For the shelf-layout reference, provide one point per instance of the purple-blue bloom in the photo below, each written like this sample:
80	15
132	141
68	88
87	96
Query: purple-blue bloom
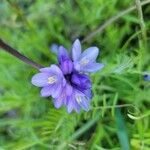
86	61
68	82
54	48
147	77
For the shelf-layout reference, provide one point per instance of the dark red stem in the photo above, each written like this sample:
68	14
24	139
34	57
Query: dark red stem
18	55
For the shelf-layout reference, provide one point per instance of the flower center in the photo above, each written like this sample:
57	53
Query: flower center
52	79
84	61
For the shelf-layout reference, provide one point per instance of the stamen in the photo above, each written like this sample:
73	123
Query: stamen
78	98
52	79
84	61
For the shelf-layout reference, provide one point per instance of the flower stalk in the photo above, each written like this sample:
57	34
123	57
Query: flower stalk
141	19
18	55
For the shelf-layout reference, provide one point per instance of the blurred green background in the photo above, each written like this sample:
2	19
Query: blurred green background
29	122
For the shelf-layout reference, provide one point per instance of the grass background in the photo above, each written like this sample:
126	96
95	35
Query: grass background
29	122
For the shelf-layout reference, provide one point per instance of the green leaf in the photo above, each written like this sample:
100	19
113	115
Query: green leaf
121	131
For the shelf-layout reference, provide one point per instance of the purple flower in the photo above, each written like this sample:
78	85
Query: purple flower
65	61
67	82
86	61
51	80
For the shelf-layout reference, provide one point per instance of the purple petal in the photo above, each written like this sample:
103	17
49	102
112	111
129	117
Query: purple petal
58	102
93	67
65	62
82	100
66	66
57	71
90	54
77	66
62	53
40	79
56	90
88	94
46	91
54	48
68	89
65	93
70	105
53	69
76	50
76	106
82	81
53	90
84	104
46	69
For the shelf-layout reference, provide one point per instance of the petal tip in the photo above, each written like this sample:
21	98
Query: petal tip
77	41
54	48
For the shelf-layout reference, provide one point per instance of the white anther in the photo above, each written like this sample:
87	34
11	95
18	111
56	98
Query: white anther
78	98
84	61
52	79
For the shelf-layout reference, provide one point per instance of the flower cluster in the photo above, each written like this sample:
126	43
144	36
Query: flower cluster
68	82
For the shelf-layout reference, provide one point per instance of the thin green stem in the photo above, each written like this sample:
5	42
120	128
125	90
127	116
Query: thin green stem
140	15
113	19
116	106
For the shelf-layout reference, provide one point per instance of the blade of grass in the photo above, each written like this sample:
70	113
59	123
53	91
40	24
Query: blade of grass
121	130
114	103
